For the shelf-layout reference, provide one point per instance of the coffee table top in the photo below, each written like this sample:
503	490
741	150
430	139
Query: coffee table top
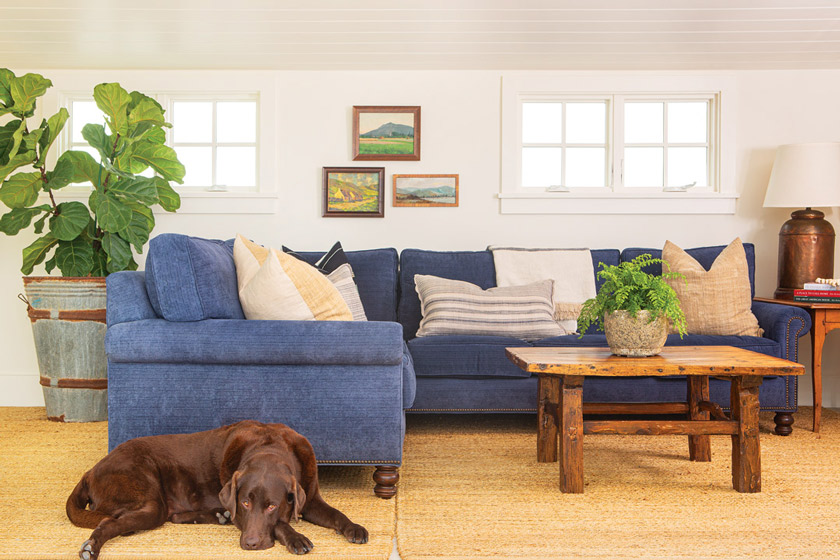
716	361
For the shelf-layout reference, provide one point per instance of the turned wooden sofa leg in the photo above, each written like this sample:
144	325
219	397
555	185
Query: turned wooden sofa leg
386	478
784	423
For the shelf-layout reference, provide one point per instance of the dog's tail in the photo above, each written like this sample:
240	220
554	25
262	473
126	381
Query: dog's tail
77	506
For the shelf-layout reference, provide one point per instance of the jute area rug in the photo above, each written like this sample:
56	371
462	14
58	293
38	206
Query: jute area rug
41	462
471	488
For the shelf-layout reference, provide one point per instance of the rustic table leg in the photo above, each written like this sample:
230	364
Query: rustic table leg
699	447
571	434
817	342
746	450
547	422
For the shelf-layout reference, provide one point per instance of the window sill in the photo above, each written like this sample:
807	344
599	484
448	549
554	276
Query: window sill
197	202
617	203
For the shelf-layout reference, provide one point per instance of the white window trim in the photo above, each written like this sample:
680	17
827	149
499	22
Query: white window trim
75	84
519	87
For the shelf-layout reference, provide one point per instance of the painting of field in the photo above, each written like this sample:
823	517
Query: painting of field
387	133
353	192
425	190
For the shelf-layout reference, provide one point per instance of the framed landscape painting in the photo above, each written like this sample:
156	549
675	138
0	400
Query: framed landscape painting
354	192
386	133
425	190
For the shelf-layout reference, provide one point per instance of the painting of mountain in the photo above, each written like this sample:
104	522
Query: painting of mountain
353	191
425	190
386	133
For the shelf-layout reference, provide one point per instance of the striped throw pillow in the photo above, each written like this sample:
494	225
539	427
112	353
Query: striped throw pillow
456	307
342	278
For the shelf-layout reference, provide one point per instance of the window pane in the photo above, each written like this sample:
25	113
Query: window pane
236	121
643	167
84	112
542	123
192	121
643	123
236	167
686	166
586	123
199	165
541	167
585	167
687	122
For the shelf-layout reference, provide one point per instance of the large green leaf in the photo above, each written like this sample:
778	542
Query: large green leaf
139	228
35	253
17	139
17	219
74	258
21	190
147	110
17	161
162	159
54	126
111	214
75	167
7	141
113	100
140	189
69	220
100	263
118	250
96	136
168	198
25	90
6	77
32	139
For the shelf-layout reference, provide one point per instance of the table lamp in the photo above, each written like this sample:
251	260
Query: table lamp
804	175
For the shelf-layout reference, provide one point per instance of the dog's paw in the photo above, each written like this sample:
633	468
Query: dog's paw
355	534
87	551
224	518
298	544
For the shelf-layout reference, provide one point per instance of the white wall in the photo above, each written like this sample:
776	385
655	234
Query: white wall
460	134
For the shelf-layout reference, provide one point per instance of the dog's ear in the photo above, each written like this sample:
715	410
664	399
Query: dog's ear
228	494
297	497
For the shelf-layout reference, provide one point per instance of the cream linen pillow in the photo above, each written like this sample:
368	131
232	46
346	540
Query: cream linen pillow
276	286
717	301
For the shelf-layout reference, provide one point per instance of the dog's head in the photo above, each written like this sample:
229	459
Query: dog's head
260	493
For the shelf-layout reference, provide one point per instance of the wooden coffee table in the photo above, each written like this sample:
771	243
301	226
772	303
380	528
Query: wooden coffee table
562	372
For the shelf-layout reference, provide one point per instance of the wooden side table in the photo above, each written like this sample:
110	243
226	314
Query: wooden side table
825	317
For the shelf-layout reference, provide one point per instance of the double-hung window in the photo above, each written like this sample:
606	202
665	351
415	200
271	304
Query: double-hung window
617	144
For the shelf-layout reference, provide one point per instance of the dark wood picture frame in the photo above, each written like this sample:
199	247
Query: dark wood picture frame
351	196
428	202
359	114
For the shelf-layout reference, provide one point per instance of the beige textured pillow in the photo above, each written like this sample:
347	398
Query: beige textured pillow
276	286
717	301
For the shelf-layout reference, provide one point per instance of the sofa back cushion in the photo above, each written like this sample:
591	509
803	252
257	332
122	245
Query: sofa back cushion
375	271
192	279
704	255
475	267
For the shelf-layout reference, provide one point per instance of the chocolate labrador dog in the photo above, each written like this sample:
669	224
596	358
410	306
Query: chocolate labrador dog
258	476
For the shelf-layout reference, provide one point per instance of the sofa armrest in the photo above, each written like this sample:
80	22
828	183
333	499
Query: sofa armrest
784	324
243	342
127	299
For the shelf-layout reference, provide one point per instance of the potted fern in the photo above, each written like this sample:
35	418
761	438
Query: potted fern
130	173
634	307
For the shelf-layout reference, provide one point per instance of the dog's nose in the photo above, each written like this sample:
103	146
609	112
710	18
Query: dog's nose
251	542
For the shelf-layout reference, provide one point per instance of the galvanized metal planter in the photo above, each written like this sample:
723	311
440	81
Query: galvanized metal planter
68	324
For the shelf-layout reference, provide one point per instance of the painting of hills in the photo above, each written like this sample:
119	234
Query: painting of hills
387	133
425	190
353	192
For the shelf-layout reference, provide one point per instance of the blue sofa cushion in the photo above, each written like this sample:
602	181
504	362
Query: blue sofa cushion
464	356
375	272
704	255
475	267
192	279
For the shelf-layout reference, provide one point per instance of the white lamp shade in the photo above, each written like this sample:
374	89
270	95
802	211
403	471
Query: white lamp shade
805	175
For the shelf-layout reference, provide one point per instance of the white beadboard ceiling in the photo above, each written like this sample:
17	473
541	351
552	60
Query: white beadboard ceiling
430	34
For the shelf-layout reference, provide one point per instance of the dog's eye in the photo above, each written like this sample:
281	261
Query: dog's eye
290	498
270	508
246	504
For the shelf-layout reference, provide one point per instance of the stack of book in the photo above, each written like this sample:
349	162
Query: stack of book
814	292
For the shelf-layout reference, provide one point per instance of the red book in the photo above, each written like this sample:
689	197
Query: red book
817	293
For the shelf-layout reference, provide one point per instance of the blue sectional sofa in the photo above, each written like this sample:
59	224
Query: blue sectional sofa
182	358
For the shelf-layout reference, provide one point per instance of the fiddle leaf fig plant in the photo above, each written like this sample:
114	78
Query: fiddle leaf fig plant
628	287
131	172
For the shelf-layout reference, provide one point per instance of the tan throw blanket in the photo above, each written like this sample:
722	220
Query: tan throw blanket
571	270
